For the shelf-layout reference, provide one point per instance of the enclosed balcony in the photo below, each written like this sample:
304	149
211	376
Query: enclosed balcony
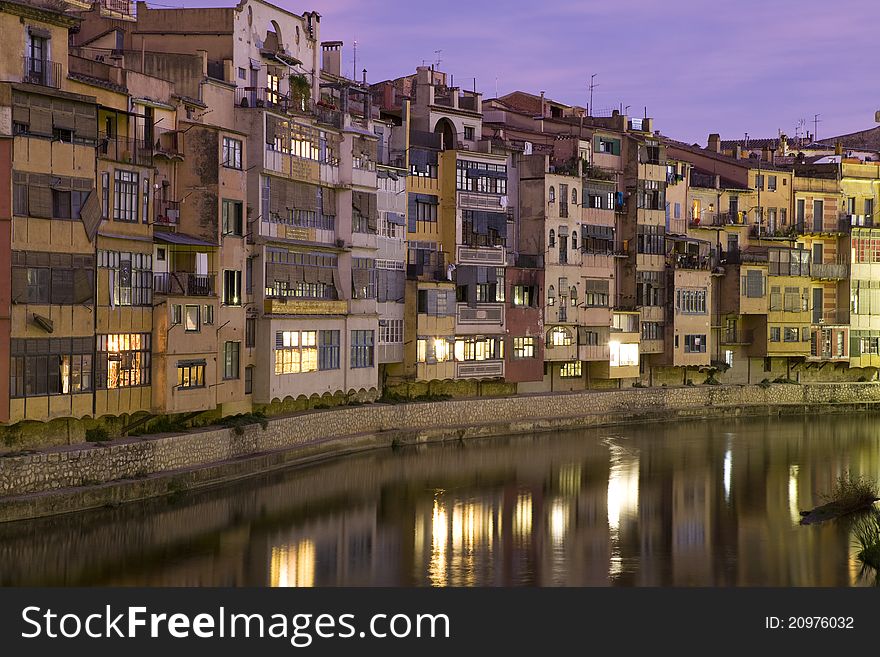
167	213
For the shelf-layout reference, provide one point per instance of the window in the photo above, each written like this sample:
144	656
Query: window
753	284
571	370
242	73
774	334
328	350
606	145
790	334
363	278
105	195
652	331
231	353
563	201
232	287
469	132
523	295
361	349
651	239
191	318
250	332
390	331
66	204
523	348
249	380
551	194
434	350
759	181
57	366
296	352
649	288
435	303
176	314
190	374
690	301
695	344
207	314
551	295
596	293
123	360
552	239
623	355
131	277
232	218
559	336
231	153
478	349
481	177
771	183
125	196
677	211
38	284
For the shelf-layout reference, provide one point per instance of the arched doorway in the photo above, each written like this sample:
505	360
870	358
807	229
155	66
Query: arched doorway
446	129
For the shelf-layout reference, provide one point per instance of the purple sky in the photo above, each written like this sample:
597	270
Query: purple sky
728	66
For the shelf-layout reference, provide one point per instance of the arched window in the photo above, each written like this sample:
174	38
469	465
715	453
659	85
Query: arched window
551	295
574	240
574	296
574	196
552	194
559	336
552	238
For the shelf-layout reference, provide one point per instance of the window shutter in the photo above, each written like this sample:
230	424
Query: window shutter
41	121
40	201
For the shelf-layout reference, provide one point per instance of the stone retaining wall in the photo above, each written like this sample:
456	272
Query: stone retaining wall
345	429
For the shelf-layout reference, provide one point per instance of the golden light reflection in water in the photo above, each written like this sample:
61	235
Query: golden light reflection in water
463	534
558	520
793	508
439	538
293	565
522	518
623	499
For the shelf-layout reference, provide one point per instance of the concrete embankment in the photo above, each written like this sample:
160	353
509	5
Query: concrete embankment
78	477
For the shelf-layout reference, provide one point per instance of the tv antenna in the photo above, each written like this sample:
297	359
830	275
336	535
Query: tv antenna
438	60
816	122
592	86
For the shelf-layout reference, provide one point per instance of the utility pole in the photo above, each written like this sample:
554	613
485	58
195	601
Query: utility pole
592	86
354	65
816	122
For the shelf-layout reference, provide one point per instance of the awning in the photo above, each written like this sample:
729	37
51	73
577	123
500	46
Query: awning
182	239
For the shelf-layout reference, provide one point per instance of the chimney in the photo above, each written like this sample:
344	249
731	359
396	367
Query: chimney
331	57
737	151
715	142
838	148
542	105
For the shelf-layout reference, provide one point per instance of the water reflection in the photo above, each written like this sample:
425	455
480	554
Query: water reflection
708	504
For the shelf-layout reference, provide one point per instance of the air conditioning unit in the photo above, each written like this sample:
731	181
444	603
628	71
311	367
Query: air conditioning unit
340	244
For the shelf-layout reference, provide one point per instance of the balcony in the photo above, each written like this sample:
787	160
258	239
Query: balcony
305	307
836	317
737	336
473	201
265	98
594	352
856	221
43	72
482	317
484	369
833	271
167	213
481	255
844	223
181	283
690	261
169	143
328	116
716	220
125	149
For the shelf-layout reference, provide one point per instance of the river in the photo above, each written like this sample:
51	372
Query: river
713	503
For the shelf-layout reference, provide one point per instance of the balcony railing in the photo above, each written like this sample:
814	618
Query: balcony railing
843	225
831	317
263	97
593	352
856	220
181	283
167	212
829	270
125	149
41	71
690	261
737	336
169	143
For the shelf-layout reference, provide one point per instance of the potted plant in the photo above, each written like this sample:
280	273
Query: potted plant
300	90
